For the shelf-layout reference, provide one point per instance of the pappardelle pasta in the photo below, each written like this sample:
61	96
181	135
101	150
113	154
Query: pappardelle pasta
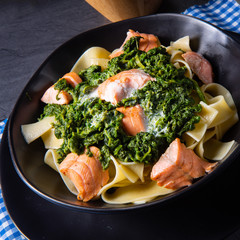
135	124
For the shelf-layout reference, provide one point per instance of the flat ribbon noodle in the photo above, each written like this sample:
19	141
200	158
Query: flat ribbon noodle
216	150
219	114
176	49
199	149
50	140
215	89
198	132
92	56
208	113
117	176
136	193
129	192
137	168
35	130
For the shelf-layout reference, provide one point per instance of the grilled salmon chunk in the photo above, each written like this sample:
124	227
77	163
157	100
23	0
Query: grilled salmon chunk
133	120
53	96
85	172
122	85
72	78
178	166
200	66
147	42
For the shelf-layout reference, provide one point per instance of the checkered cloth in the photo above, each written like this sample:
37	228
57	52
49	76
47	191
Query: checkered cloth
7	228
222	13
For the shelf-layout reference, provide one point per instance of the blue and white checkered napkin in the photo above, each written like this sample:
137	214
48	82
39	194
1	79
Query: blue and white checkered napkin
222	13
7	228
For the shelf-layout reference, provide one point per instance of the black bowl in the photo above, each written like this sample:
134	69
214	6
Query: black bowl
220	49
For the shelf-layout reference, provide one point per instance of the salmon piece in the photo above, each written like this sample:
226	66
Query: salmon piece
51	95
69	160
147	42
122	85
178	166
133	120
72	78
85	172
200	66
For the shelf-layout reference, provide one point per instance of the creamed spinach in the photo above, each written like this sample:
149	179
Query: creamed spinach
170	104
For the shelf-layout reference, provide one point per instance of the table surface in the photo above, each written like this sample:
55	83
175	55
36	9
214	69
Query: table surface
31	30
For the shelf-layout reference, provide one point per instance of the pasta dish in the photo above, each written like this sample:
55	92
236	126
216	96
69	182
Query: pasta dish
140	122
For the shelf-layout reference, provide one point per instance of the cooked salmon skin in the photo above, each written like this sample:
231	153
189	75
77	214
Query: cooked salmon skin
53	96
133	120
178	166
85	172
146	43
200	66
122	85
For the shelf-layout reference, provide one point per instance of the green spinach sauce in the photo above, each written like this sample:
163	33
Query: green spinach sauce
170	103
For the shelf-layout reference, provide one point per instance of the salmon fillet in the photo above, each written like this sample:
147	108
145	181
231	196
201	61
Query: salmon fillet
147	42
133	120
122	85
53	96
72	78
200	66
178	166
85	172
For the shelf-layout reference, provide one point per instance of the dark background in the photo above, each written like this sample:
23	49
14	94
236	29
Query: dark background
31	30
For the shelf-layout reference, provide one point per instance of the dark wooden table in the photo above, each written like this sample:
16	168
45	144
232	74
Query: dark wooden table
31	30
